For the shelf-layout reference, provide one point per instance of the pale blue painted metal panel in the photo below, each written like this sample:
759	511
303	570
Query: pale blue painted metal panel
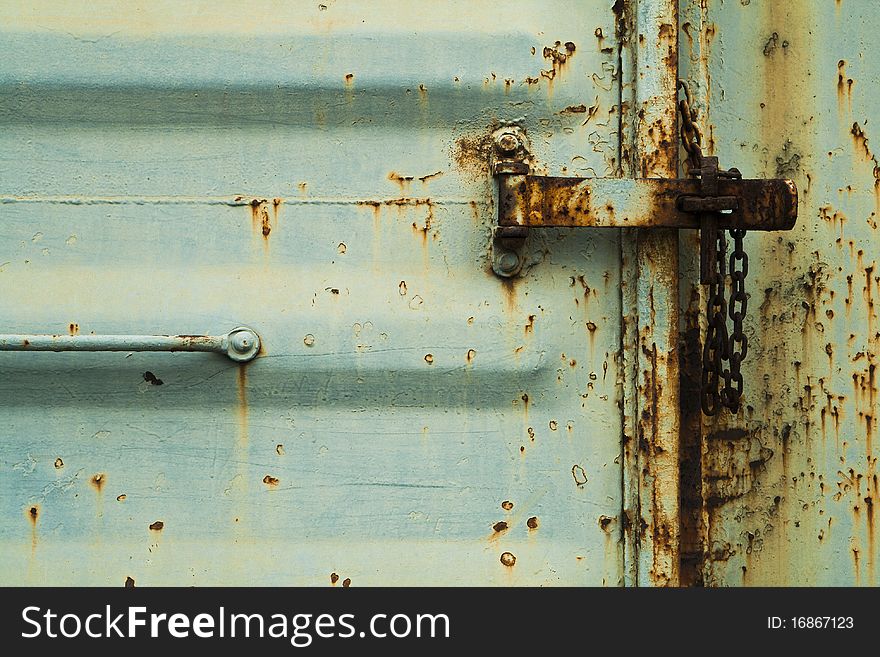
404	392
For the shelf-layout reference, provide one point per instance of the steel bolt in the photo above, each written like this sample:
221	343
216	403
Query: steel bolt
243	345
508	143
507	262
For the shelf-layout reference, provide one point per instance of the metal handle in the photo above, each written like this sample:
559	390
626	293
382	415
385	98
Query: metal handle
241	344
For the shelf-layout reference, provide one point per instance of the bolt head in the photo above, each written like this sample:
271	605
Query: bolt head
243	345
508	262
508	143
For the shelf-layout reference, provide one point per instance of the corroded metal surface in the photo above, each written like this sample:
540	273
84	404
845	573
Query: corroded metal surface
644	203
320	173
790	485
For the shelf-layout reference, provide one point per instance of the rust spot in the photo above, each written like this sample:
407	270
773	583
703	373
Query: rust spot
471	354
346	582
334	578
341	248
430	176
471	153
507	505
574	109
508	559
401	288
429	359
59	463
605	522
121	498
157	526
499	526
279	449
553	425
26	343
402	181
530	325
98	481
73	329
558	54
152	379
349	78
580	477
34	513
532	523
270	481
309	340
129	583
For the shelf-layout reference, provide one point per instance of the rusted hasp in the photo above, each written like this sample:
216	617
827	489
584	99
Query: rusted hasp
544	202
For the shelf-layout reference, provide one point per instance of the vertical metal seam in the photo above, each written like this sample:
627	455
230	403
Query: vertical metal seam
658	412
624	10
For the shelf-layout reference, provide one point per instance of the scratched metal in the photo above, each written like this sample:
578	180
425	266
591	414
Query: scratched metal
316	172
789	487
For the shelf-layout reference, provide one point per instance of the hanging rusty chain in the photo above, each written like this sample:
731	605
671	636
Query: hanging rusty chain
719	347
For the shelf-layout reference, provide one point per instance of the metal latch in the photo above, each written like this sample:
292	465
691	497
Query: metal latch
723	199
710	199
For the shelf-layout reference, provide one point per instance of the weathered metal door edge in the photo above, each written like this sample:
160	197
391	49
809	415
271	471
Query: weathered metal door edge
648	37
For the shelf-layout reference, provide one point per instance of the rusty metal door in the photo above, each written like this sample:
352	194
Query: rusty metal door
318	172
785	493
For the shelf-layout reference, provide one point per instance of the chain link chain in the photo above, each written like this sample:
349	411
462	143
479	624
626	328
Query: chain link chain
719	348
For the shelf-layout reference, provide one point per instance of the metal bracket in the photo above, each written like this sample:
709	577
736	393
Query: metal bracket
718	200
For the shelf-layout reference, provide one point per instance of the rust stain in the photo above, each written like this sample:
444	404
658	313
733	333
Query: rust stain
532	523
424	179
242	410
472	152
499	526
401	180
349	79
507	505
844	87
97	481
558	55
471	354
33	513
260	214
508	559
157	526
270	481
73	328
574	109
